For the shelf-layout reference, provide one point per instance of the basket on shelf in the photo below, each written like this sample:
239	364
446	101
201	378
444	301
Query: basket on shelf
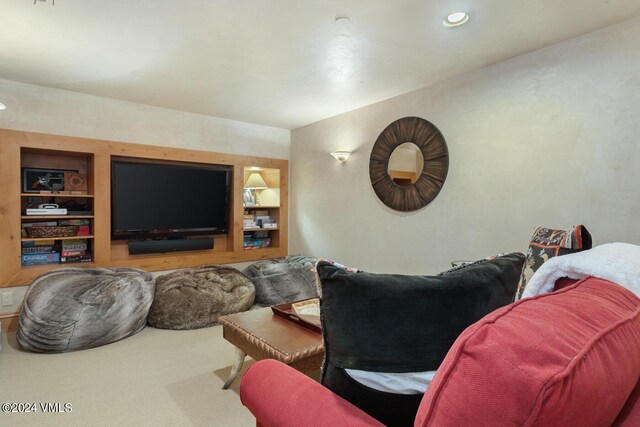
51	231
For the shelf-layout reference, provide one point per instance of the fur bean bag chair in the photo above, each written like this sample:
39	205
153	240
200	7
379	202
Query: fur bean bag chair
283	280
194	298
78	308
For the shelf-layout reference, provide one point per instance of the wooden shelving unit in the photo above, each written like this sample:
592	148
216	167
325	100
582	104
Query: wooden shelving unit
20	149
270	202
53	158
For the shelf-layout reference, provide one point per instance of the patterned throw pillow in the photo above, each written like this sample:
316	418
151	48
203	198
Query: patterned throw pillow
547	243
332	262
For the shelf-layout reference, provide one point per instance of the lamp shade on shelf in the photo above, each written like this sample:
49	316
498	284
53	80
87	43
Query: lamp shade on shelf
255	182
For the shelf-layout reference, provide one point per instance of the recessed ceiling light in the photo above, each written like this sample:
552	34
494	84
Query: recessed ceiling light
2	106
455	19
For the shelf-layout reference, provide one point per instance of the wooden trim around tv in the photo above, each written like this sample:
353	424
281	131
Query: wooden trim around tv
97	154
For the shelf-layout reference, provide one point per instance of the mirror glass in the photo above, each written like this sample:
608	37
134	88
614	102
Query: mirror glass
405	164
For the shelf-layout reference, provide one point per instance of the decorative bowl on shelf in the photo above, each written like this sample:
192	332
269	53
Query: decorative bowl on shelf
52	231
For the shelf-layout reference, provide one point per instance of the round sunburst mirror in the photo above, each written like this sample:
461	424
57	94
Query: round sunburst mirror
408	164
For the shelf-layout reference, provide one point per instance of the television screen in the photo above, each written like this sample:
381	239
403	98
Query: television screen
165	200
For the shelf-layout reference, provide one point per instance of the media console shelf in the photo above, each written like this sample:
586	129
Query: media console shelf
92	158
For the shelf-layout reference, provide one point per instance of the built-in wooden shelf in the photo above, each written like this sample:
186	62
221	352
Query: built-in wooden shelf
66	196
41	239
92	158
57	217
261	228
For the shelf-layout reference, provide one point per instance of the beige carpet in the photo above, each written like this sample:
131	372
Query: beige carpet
154	378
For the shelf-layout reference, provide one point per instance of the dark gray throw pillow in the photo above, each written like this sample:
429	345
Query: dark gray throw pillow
282	280
398	323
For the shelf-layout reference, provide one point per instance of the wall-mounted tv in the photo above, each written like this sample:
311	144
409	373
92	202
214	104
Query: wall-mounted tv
168	200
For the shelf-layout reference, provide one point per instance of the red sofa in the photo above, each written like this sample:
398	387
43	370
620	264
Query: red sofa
567	358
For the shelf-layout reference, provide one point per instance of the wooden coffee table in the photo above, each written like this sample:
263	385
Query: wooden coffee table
262	335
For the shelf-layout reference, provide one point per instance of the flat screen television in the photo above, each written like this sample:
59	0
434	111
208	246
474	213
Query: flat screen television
168	200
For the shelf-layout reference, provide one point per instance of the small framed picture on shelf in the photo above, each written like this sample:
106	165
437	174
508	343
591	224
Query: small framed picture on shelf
43	180
248	199
75	183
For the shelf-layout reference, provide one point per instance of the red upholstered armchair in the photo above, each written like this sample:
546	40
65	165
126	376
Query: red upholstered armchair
567	358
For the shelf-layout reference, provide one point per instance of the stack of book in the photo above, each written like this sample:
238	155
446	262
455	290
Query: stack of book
52	251
256	240
74	251
269	223
263	220
249	220
40	252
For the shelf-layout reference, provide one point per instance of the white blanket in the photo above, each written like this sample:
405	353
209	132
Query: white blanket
616	262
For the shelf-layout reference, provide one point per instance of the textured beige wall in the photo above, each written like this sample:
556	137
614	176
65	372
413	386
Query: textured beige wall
549	138
40	109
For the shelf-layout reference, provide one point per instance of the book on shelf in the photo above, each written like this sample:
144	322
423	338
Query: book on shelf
37	249
261	213
74	245
267	223
74	259
31	243
256	243
35	259
256	234
73	253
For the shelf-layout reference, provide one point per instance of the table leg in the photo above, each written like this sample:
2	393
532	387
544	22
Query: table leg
235	369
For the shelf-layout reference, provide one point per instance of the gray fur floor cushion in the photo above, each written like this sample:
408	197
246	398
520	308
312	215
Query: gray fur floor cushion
282	280
77	308
194	298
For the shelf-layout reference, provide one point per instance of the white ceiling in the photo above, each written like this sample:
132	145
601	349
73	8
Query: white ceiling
284	63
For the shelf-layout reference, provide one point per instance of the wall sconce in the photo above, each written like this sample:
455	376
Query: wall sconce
341	156
253	183
2	106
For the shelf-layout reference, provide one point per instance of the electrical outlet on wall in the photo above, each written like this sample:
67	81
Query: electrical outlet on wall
7	299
